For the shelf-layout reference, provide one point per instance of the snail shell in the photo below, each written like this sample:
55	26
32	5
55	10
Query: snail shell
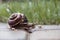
17	18
19	21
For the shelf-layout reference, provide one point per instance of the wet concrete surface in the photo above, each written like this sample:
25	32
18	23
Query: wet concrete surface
45	35
7	34
47	32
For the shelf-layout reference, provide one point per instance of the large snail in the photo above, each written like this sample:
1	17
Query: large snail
19	21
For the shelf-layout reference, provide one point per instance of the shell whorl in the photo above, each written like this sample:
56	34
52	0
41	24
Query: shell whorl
15	19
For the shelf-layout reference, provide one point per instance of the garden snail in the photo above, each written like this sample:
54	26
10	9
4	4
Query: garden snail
19	21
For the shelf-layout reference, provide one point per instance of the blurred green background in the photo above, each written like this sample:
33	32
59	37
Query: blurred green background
37	11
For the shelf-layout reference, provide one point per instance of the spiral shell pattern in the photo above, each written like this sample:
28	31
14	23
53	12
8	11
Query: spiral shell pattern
15	19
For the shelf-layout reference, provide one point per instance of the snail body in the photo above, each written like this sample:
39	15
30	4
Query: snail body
19	21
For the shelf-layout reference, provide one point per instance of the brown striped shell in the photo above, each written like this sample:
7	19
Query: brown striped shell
17	18
19	21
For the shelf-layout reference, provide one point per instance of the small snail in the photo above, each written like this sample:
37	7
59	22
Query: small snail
19	21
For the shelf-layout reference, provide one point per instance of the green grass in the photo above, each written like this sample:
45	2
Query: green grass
39	12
